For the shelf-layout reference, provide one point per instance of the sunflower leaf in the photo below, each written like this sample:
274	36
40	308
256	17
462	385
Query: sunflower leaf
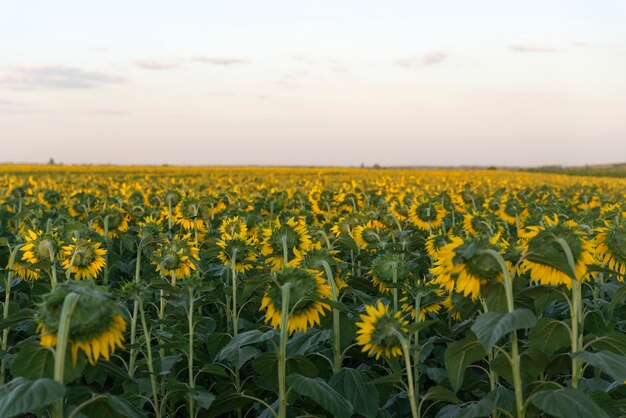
458	356
20	396
566	403
490	327
610	363
322	393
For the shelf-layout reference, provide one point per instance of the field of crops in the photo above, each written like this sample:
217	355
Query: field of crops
258	292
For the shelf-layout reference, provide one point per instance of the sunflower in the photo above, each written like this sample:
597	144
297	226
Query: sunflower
481	224
40	247
240	247
426	215
370	236
435	242
176	257
233	225
512	212
292	236
306	289
115	219
610	248
316	255
188	214
460	266
389	269
26	271
545	258
96	326
150	228
430	298
379	329
85	258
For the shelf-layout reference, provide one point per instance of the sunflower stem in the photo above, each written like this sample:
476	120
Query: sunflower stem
285	251
337	354
515	361
417	348
8	281
190	325
394	272
148	344
282	350
409	376
133	320
61	346
575	313
235	314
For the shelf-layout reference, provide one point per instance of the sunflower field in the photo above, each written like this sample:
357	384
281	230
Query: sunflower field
282	292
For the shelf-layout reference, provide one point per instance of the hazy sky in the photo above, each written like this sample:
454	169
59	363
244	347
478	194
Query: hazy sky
313	82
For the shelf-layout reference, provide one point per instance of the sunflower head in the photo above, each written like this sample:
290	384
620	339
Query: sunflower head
171	197
238	247
97	324
306	288
545	257
40	247
380	331
84	258
462	265
426	215
111	221
390	270
150	228
371	236
292	236
610	248
176	257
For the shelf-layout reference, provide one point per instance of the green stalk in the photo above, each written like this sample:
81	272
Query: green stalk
133	320
106	256
515	361
417	349
63	334
285	251
576	314
394	272
233	276
190	324
153	377
337	354
282	351
409	376
8	281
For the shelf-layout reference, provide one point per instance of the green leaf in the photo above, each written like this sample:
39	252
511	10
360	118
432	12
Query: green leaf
352	385
20	396
441	394
610	363
616	298
203	399
458	356
16	318
613	341
124	408
322	393
548	336
34	361
567	403
306	342
490	327
242	340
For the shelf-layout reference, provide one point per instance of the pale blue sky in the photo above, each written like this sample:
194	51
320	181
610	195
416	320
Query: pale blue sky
313	83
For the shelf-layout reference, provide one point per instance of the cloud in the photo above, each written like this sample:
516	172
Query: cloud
427	59
155	65
578	43
107	112
339	68
533	48
56	77
224	61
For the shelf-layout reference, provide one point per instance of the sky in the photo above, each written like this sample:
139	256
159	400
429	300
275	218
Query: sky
268	82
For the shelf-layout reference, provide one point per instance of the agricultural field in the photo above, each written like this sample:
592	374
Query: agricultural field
279	292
